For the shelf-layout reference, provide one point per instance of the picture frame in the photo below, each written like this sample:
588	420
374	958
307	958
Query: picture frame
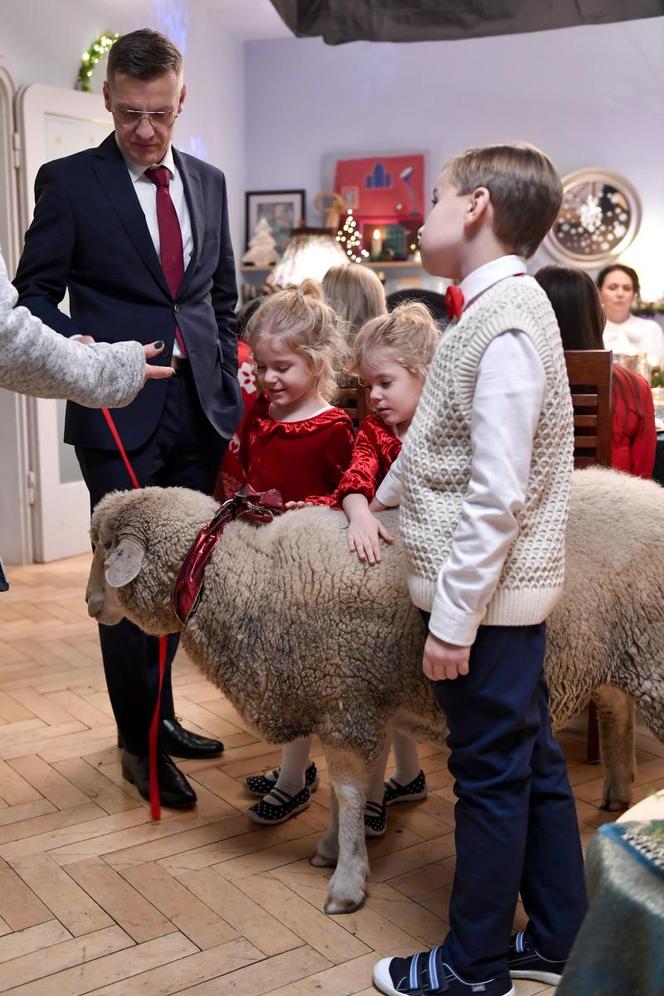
599	218
283	209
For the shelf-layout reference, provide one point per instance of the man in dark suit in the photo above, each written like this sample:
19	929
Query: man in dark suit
138	233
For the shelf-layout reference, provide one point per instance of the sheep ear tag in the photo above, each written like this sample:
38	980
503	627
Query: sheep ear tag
124	563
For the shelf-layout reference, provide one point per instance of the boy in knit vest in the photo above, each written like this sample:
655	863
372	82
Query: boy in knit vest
484	481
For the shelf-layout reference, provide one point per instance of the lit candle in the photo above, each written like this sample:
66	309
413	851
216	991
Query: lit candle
377	242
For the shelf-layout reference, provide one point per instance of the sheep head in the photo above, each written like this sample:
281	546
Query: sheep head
140	539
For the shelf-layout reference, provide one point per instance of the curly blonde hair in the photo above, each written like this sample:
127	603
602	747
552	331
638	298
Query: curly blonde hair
409	336
306	325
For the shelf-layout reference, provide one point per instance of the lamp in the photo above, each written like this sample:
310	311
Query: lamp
309	254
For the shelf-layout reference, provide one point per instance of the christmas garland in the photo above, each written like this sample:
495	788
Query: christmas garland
91	57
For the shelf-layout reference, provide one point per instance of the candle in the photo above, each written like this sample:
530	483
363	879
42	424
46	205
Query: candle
377	242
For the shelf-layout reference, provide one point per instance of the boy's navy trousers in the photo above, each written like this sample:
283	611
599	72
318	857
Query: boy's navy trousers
515	822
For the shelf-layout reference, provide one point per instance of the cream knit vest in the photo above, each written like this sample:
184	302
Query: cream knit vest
437	458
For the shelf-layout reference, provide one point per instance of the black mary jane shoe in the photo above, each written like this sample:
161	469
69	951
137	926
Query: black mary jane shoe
260	785
375	819
269	815
175	792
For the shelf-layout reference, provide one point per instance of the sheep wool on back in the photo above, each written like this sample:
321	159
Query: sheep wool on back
437	458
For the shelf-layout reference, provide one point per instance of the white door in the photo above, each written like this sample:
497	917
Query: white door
15	534
55	123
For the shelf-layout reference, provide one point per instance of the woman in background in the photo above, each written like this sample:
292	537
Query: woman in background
624	332
581	319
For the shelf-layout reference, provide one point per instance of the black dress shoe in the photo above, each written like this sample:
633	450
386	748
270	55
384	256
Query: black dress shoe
175	792
174	739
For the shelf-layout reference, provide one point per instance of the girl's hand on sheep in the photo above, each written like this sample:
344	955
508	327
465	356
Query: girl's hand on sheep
364	534
444	661
294	505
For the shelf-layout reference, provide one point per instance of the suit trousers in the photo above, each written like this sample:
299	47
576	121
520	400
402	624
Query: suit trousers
185	451
516	828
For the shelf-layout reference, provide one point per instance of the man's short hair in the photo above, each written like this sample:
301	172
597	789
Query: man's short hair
143	54
526	191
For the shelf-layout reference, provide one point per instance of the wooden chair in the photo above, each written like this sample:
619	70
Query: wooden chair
353	399
589	372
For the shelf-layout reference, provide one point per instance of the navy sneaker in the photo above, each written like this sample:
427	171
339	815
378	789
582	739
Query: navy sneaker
426	974
524	962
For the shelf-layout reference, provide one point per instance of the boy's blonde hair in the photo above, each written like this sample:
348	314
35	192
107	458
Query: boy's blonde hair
355	293
526	191
307	326
408	335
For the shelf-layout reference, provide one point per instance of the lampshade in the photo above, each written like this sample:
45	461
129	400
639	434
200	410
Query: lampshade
309	254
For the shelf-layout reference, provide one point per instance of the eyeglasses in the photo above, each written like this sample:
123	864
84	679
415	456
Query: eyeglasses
128	118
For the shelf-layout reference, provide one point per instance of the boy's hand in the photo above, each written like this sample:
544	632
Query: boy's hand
364	535
444	661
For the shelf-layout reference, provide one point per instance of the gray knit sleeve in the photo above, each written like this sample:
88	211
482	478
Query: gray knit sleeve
38	361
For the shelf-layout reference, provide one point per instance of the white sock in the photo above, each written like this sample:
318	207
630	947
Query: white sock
405	756
294	762
376	789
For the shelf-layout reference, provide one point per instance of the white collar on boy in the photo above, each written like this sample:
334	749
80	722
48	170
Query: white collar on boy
490	273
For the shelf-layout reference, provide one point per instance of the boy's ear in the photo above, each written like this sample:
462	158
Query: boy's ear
480	201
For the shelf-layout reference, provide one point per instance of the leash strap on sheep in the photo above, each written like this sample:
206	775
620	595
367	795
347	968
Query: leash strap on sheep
261	506
155	801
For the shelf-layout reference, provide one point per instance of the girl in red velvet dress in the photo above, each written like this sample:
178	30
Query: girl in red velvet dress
576	302
294	440
391	356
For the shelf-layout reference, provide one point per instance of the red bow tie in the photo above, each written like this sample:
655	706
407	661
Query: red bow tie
454	301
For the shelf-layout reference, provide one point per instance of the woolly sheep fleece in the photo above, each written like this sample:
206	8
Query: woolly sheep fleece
303	638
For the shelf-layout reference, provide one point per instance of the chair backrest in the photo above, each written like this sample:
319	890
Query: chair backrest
353	399
589	373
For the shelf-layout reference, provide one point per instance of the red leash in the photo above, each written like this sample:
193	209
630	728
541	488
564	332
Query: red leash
155	802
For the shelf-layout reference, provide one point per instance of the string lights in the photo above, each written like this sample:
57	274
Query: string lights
350	239
91	57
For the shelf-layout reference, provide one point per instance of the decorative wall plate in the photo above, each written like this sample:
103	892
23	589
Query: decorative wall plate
599	218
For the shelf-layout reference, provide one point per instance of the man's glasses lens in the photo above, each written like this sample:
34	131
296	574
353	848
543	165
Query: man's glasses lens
130	118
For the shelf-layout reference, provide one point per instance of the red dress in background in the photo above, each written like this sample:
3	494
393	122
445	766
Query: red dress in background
633	433
375	450
231	474
298	458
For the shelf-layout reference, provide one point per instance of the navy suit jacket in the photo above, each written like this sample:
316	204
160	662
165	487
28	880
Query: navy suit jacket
89	236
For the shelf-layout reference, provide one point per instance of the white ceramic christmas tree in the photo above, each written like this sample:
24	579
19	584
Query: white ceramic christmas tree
262	249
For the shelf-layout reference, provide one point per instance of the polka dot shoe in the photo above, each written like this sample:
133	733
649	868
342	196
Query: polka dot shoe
375	819
260	785
412	792
289	805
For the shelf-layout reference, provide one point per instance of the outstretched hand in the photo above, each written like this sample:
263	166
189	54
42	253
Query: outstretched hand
365	532
153	372
294	505
444	661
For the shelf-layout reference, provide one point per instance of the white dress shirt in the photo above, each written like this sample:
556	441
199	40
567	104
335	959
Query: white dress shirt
508	399
146	191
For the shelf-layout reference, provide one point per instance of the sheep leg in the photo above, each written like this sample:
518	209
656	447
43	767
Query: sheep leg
615	712
327	849
350	778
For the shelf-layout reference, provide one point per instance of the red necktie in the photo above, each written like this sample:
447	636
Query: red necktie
170	237
454	301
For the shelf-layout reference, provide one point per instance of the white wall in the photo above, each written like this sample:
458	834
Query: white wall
588	96
41	41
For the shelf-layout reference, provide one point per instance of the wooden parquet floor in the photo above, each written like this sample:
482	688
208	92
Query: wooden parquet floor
95	898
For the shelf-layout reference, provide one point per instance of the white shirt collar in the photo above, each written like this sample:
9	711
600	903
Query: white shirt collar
490	273
137	172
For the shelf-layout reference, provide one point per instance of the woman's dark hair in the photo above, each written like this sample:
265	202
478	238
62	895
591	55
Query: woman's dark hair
143	54
575	301
632	274
245	312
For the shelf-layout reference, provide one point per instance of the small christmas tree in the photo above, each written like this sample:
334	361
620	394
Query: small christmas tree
350	239
262	249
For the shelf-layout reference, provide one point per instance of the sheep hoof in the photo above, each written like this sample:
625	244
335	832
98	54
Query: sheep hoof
336	905
319	860
615	805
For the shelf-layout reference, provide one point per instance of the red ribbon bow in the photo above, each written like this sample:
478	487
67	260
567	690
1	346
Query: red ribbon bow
454	301
260	506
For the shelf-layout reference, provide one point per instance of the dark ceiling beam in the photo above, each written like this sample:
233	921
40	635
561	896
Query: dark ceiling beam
341	21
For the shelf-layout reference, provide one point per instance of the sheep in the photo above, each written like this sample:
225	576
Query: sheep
303	638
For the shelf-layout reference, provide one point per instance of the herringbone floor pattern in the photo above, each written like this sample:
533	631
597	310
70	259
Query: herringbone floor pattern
95	898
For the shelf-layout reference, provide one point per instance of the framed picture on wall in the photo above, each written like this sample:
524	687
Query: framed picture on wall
282	209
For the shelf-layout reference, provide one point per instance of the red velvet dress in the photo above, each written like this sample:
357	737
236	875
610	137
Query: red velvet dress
633	434
231	474
375	450
297	458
